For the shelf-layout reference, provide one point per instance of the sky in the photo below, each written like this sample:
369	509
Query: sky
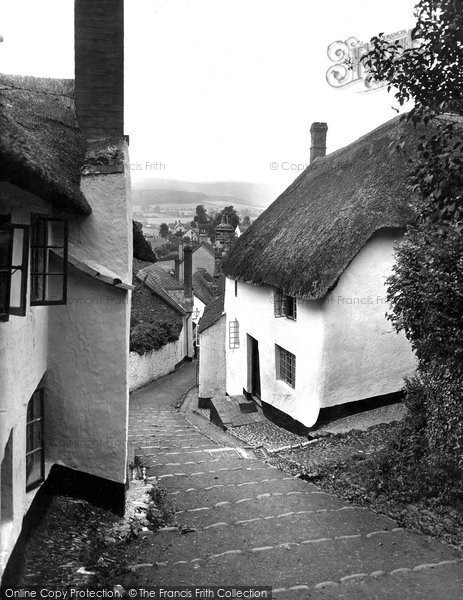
220	89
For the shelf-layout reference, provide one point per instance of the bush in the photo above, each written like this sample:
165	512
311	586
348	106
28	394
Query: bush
145	337
425	460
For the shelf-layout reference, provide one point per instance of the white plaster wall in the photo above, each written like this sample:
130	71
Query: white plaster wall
83	347
105	236
254	310
345	349
23	362
87	378
363	355
212	357
151	366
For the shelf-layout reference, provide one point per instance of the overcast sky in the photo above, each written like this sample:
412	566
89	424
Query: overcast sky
219	89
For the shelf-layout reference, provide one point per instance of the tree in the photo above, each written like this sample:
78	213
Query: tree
233	217
201	216
426	288
164	230
247	220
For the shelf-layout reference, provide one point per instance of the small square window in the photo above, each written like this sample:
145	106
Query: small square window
286	366
49	247
284	305
234	334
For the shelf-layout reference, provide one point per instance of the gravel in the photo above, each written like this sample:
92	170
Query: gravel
268	435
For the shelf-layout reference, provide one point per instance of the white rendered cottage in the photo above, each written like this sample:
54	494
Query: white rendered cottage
305	291
65	280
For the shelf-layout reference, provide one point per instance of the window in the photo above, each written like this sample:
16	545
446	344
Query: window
234	334
49	247
284	305
286	366
35	457
14	256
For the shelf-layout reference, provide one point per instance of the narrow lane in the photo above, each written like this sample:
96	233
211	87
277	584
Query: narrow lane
251	524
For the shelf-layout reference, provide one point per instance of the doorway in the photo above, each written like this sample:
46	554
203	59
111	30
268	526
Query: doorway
254	367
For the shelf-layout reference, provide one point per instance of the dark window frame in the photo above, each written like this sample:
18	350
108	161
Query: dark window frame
233	334
35	248
30	426
286	366
11	269
284	305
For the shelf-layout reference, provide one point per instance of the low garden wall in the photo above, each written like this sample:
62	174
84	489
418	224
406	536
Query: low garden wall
152	365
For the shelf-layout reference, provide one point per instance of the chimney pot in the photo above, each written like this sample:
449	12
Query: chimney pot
318	140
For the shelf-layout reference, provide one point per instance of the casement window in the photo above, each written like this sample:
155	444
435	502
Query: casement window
14	256
49	249
284	305
233	334
286	366
35	456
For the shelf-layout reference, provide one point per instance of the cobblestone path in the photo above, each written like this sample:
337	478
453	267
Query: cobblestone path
251	524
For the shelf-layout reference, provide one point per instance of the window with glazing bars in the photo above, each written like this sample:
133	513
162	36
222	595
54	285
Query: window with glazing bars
234	334
35	457
14	256
284	305
286	366
49	249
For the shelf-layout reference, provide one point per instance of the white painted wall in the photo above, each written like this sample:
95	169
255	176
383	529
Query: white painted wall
212	356
82	347
370	358
23	362
345	350
153	365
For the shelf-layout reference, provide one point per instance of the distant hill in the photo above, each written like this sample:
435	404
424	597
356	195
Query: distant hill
221	193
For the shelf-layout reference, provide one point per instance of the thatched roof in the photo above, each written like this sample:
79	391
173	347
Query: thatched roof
305	240
41	147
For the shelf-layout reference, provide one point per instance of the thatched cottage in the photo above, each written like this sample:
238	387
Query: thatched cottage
65	278
305	291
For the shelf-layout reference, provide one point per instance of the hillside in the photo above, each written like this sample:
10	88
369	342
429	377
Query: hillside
217	193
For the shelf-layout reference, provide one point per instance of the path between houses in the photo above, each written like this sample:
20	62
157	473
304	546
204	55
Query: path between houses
251	524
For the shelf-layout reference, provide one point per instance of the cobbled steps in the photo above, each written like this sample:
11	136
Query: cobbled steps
250	524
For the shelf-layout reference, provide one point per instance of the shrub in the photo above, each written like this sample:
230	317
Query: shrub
145	337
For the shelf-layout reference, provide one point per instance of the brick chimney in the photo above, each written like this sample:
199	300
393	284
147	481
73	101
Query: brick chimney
318	140
99	67
188	272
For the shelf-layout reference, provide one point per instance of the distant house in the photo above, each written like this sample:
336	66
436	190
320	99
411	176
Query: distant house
212	354
65	277
305	292
203	284
191	234
178	296
213	324
159	299
203	258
